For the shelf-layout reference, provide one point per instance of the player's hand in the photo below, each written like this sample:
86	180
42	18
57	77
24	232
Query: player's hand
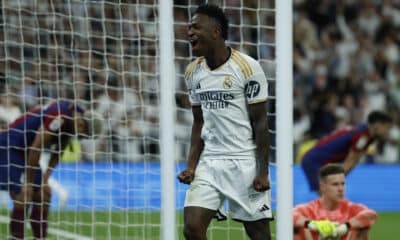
261	182
341	229
325	228
186	176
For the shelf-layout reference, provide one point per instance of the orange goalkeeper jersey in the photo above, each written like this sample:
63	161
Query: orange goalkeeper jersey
346	211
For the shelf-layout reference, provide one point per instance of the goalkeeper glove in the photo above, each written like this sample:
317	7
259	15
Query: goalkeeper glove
342	229
325	228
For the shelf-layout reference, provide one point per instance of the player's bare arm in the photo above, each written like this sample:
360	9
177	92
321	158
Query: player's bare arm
364	219
300	222
351	161
258	113
196	147
42	139
54	159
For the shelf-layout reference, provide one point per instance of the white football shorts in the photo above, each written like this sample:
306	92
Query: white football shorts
232	180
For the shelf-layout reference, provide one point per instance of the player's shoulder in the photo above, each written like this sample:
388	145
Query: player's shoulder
247	65
314	204
192	66
243	57
361	128
250	66
62	107
345	203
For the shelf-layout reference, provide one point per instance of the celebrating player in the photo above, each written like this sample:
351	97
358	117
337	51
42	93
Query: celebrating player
228	156
21	144
345	146
332	216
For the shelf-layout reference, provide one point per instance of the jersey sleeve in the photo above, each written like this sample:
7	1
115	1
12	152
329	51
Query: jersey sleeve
256	86
54	121
302	210
193	97
191	82
363	215
359	142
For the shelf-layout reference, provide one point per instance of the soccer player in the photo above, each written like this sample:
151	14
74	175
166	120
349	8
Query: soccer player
228	157
332	216
50	127
345	146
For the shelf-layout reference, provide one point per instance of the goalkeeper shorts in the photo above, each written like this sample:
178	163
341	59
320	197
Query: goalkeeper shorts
232	180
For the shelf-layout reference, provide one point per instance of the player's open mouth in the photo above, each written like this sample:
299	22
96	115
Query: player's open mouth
193	43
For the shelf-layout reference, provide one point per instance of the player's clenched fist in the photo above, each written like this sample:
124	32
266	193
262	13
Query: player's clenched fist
186	176
261	182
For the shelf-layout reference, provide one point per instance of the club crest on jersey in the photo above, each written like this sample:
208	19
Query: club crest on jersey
252	89
227	82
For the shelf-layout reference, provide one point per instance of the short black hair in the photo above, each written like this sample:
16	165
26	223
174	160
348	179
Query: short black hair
379	117
216	13
330	169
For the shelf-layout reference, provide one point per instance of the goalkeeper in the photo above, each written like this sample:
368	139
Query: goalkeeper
332	216
50	127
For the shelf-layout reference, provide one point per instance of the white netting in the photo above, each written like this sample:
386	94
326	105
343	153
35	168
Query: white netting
103	55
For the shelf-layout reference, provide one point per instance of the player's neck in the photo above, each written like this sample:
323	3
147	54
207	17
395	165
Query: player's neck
218	57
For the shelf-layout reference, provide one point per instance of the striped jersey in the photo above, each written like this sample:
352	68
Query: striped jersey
55	117
224	94
334	148
346	211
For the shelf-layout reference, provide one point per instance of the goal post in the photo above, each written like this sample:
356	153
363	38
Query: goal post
284	112
167	133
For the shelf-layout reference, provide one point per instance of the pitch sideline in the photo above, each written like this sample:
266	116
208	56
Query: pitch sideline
54	231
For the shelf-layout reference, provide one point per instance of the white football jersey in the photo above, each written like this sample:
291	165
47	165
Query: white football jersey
224	94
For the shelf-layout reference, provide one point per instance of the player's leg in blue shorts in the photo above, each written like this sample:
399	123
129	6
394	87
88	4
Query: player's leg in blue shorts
12	168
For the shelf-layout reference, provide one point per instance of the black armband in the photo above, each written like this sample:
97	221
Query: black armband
348	225
306	223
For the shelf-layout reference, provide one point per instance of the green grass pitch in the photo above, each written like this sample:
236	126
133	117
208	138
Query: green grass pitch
146	226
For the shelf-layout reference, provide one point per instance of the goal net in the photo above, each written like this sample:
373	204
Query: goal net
104	55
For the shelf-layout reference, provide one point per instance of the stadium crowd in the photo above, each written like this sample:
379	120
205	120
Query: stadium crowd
346	63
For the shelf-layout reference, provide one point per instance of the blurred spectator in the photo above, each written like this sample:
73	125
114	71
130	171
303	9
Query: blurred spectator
9	110
29	93
358	43
115	105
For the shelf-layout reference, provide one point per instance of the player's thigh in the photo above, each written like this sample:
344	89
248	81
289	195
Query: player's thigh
259	229
203	191
14	172
245	203
197	218
42	194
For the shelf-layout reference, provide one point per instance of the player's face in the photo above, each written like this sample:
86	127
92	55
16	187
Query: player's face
333	186
201	31
382	130
81	127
